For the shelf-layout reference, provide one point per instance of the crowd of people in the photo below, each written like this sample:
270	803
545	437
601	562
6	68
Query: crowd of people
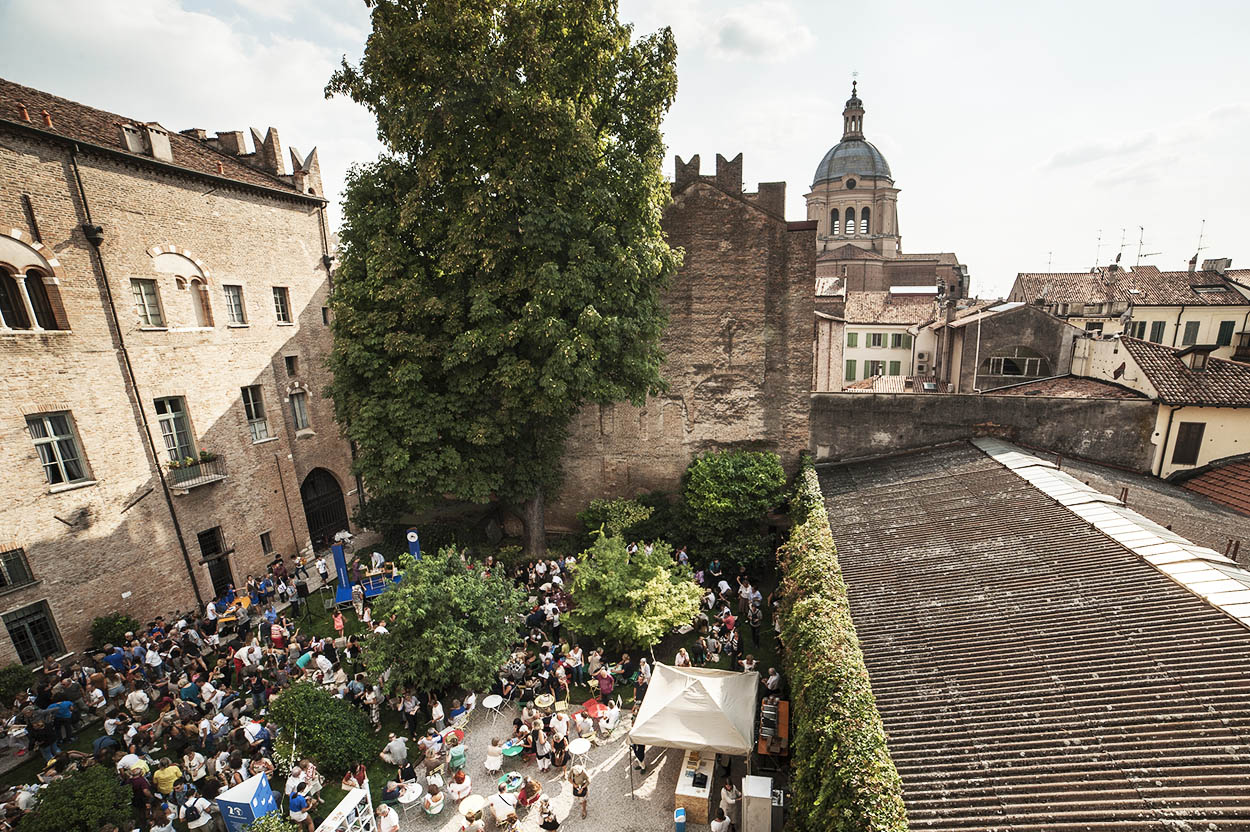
182	704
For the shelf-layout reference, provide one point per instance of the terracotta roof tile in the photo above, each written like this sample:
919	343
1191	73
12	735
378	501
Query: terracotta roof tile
1227	484
1142	286
86	124
882	308
1068	387
1222	384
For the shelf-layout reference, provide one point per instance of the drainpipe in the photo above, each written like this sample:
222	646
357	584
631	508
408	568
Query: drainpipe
1166	435
282	484
95	236
1176	332
976	367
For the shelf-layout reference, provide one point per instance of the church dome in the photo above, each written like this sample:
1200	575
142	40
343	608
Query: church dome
852	156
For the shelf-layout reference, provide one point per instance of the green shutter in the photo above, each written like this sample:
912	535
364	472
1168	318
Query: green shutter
850	370
1226	333
852	340
1156	331
896	368
906	340
1191	334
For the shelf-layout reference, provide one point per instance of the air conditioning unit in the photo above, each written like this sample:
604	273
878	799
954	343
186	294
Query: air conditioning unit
922	356
922	369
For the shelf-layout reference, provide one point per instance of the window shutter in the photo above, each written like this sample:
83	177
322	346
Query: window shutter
850	370
1226	333
1156	331
896	368
1191	334
852	340
1188	443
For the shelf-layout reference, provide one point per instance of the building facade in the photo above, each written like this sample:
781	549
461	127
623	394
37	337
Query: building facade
165	328
1210	305
738	347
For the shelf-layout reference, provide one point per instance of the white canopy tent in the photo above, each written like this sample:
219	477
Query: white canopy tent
698	709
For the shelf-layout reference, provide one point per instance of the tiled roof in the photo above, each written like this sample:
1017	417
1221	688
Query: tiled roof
882	308
1033	674
1222	384
1143	286
1068	387
897	384
829	286
849	252
86	124
946	258
1227	484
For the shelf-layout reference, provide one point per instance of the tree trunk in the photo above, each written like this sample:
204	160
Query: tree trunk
534	518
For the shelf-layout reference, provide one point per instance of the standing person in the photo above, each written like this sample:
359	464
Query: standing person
744	594
323	571
721	823
437	715
581	786
729	801
547	815
301	807
196	810
576	664
755	618
338	622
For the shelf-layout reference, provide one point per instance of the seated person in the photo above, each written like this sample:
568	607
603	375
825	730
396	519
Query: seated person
433	802
407	773
494	756
460	787
611	716
530	792
391	791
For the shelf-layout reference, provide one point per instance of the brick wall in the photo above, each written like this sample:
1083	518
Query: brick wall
738	347
92	545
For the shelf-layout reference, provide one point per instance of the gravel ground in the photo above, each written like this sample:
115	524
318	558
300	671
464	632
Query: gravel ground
610	807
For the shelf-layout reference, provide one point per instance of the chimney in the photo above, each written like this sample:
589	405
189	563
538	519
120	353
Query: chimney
1193	263
772	197
306	173
685	172
1219	265
231	142
47	119
195	133
132	138
158	142
24	112
269	152
729	173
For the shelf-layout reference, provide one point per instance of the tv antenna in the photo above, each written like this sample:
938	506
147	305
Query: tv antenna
1050	255
1141	238
1120	253
1201	231
1098	249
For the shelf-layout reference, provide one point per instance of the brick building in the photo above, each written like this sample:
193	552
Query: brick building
163	297
738	346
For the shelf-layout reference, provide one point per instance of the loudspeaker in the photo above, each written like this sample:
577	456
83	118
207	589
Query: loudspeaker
301	589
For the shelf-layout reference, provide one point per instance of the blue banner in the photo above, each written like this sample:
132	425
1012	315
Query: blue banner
246	802
414	544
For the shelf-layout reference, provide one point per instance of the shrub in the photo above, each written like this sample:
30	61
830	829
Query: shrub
82	802
729	492
613	517
15	680
272	822
841	773
112	629
323	727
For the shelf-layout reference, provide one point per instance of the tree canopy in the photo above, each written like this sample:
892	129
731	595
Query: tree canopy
82	802
448	626
502	264
633	600
322	726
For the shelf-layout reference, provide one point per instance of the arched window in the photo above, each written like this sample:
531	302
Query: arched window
200	303
834	224
863	221
39	300
12	309
850	221
29	294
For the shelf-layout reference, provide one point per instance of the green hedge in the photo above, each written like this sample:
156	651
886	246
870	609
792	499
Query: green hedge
330	730
842	777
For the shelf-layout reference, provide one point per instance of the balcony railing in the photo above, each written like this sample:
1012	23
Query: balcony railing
195	474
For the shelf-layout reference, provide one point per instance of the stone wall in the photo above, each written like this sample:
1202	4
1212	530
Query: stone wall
111	544
738	347
856	425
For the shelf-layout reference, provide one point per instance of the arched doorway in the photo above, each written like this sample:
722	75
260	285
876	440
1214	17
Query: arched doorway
324	508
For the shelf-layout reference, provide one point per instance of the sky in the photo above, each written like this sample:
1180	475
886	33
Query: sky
1017	133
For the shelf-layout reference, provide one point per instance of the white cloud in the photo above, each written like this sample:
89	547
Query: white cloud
155	60
770	32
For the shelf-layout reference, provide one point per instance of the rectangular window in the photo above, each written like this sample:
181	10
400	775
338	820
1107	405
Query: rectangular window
325	315
299	409
1190	336
171	415
266	543
282	304
34	633
876	339
234	304
292	365
852	339
58	448
1156	331
896	340
850	370
1225	337
254	409
212	544
1093	326
14	569
147	303
906	340
1137	329
874	368
896	368
1188	443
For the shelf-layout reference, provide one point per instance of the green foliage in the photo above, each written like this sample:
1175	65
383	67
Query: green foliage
613	517
841	773
633	601
668	519
448	626
112	629
327	729
726	491
273	822
502	264
82	802
15	679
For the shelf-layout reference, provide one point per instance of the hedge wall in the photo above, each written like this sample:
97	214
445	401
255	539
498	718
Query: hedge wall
842	777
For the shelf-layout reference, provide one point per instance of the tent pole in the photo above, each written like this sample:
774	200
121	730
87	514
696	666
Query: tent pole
629	754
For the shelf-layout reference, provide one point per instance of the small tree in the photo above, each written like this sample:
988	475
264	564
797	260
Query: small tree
322	726
15	680
448	626
613	517
112	628
82	802
630	600
728	492
272	822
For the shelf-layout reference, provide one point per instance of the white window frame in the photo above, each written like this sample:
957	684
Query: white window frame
147	301
175	427
254	410
236	310
876	340
282	304
54	455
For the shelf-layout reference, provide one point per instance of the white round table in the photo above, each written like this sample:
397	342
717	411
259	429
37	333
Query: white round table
493	703
579	748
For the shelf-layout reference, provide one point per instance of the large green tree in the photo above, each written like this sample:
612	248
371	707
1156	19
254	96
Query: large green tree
448	625
502	263
631	600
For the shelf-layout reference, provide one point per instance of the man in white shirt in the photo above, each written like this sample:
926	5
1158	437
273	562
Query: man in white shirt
396	751
196	811
388	821
378	560
560	724
502	804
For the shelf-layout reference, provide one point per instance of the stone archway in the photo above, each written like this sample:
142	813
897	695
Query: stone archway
324	508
